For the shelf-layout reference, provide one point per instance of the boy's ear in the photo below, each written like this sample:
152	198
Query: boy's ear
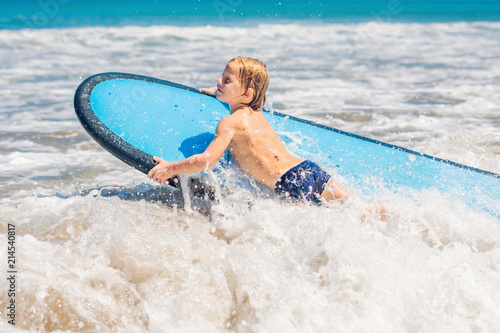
249	93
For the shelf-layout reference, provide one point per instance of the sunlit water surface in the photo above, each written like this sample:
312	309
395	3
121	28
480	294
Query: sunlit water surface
94	263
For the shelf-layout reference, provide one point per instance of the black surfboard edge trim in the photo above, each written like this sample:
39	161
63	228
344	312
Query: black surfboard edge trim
103	135
98	130
389	145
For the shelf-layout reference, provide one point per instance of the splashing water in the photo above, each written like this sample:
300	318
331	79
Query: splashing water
100	263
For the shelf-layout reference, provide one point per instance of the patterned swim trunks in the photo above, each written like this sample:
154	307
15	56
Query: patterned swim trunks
306	181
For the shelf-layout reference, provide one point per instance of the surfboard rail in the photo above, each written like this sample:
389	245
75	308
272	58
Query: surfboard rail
120	148
389	145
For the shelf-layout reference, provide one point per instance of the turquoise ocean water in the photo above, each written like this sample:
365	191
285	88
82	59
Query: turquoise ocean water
72	13
424	75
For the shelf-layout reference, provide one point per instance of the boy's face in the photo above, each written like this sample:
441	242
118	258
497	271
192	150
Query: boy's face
229	88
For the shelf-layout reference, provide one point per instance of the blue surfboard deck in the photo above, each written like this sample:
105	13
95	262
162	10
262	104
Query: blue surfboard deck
136	117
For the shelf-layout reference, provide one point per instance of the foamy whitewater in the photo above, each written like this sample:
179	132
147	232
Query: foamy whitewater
94	263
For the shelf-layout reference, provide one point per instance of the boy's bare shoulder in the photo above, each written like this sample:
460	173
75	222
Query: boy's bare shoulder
229	124
234	120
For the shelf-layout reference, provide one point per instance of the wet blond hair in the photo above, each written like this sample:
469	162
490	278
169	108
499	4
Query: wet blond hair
253	74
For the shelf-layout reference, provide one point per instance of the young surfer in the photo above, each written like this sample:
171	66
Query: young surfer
252	142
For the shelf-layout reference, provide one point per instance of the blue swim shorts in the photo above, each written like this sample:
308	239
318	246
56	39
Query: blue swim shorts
306	180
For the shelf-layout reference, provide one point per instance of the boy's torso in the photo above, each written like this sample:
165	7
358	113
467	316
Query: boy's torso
257	149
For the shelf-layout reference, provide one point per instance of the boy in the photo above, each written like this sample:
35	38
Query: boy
252	142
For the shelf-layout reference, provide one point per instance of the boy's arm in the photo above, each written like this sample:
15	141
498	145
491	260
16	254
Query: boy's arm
210	91
199	162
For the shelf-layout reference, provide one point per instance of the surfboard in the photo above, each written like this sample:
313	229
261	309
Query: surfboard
137	117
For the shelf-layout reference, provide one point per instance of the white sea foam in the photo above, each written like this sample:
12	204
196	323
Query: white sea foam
97	264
